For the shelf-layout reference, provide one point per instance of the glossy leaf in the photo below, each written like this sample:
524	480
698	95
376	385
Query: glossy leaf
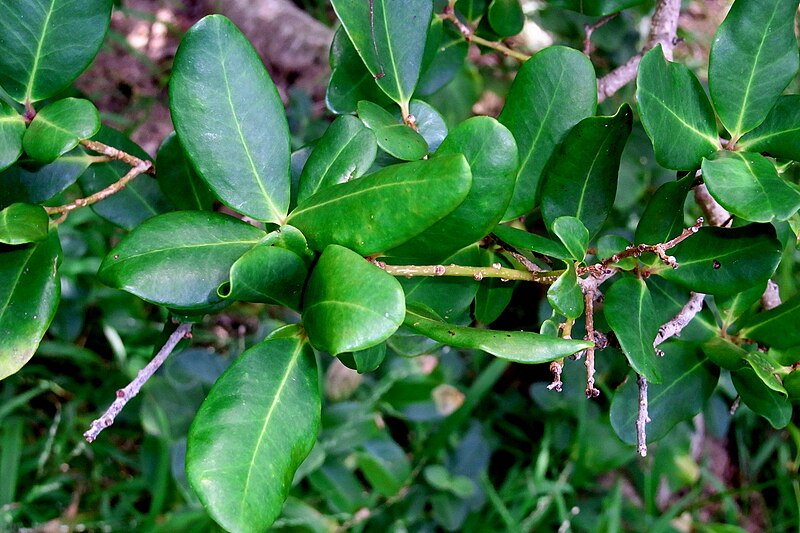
753	58
523	240
595	8
506	17
630	313
179	259
449	58
553	91
43	181
23	223
349	303
773	406
267	274
493	295
723	261
748	185
581	179
394	137
663	218
767	370
59	127
178	180
390	37
777	327
12	128
779	134
230	119
430	124
739	305
675	112
565	295
573	234
29	296
491	153
609	244
517	346
350	80
383	210
292	239
40	53
370	359
138	201
258	423
345	152
689	380
724	353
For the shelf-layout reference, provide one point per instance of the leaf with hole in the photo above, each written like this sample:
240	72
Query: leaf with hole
179	259
239	148
385	209
258	423
59	127
553	91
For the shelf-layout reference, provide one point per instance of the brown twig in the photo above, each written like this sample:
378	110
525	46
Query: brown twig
771	297
682	319
119	155
643	418
663	30
715	213
658	249
478	273
591	28
555	369
449	13
588	300
133	388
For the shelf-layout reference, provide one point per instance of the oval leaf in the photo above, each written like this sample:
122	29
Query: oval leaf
267	274
178	180
58	128
581	179
23	223
779	134
12	128
553	91
565	295
517	346
394	138
773	406
506	17
675	112
573	234
663	219
179	259
724	261
350	304
390	37
385	209
230	120
748	185
29	296
630	313
753	58
46	44
776	327
523	240
257	425
345	152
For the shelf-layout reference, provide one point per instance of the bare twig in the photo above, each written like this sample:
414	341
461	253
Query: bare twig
119	155
126	394
555	369
715	213
588	300
771	297
658	249
663	31
589	29
682	319
469	34
643	418
477	273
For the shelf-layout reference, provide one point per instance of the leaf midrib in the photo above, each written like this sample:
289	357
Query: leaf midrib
38	55
182	247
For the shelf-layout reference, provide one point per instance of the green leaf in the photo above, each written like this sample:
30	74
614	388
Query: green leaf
390	37
553	91
59	127
524	240
675	112
292	239
777	327
748	185
243	152
383	210
493	294
350	80
449	59
258	423
689	380
732	308
267	274
724	353
630	313
430	124
609	244
724	261
369	359
753	58
32	182
46	44
345	152
767	370
349	303
384	465
663	219
179	259
12	128
394	138
23	223
29	296
517	346
573	234
773	406
178	180
595	8
506	17
138	201
565	295
779	134
581	179
491	153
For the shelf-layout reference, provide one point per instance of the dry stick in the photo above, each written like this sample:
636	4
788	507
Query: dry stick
682	319
658	249
469	34
771	297
591	390
117	154
126	394
477	273
591	28
715	213
643	418
663	30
